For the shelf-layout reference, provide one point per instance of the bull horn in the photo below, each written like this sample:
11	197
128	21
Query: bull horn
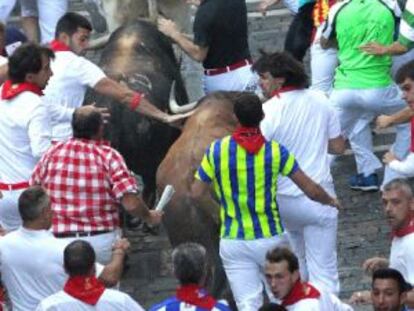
99	42
174	107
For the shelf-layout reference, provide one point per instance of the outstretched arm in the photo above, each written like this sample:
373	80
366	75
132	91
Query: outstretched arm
134	100
374	48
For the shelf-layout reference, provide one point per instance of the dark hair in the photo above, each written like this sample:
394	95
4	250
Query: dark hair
405	71
389	273
280	254
70	22
31	203
189	262
79	258
86	125
248	110
282	65
27	59
272	307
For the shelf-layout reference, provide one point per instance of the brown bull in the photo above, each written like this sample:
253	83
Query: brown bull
186	219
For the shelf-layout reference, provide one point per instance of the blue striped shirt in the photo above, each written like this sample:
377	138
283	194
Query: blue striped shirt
173	304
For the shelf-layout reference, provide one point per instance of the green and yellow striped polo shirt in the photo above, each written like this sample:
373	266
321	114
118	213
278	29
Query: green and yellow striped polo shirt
246	185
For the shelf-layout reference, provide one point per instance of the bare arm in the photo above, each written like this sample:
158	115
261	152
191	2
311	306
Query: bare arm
136	206
402	116
31	28
169	28
3	73
374	48
314	191
336	145
124	94
112	272
265	4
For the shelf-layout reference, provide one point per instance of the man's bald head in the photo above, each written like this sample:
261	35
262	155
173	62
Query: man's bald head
79	258
87	123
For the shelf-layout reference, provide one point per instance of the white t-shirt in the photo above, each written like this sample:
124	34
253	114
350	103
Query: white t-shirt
111	300
405	166
402	256
303	121
326	302
72	74
24	136
31	266
309	304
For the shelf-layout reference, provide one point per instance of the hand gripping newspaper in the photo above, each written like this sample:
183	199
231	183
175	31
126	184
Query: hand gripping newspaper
166	196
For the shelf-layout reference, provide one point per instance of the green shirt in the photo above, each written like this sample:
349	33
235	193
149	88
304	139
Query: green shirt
246	185
355	23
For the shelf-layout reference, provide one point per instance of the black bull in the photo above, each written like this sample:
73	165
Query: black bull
140	56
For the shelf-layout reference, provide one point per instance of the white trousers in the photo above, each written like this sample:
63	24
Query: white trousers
48	11
357	108
244	263
10	218
101	243
312	231
323	63
6	6
241	79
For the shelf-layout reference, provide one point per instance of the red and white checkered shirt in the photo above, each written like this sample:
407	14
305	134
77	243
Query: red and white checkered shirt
85	180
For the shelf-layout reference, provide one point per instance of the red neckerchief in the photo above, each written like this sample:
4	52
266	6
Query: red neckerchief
85	288
407	229
11	90
195	295
283	89
250	138
300	291
412	135
58	46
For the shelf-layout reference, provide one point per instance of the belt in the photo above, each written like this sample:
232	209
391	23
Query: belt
16	186
79	234
217	71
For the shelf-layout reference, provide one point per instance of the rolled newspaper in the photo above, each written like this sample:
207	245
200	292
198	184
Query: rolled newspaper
165	197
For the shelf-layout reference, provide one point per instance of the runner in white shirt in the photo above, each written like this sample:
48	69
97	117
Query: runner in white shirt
398	200
83	291
303	121
24	126
111	300
31	258
72	74
282	274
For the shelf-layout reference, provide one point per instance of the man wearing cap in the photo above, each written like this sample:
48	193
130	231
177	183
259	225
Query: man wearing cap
220	43
24	127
